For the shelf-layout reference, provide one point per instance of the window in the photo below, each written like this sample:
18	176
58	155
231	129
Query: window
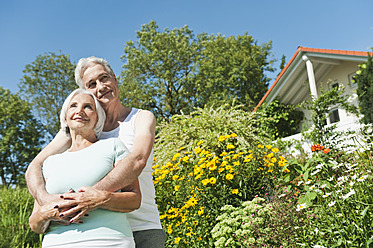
351	79
334	116
334	85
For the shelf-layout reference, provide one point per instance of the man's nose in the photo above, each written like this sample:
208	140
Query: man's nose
100	85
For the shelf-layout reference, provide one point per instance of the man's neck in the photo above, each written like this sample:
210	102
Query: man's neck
115	114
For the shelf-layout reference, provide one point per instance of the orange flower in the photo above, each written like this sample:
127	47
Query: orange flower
317	147
326	150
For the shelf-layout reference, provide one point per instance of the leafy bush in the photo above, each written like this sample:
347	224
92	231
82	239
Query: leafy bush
197	181
280	120
15	208
207	124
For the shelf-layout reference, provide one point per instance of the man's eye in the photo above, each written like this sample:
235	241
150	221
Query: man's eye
92	85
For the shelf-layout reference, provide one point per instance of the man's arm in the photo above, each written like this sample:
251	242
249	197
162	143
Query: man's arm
129	168
34	176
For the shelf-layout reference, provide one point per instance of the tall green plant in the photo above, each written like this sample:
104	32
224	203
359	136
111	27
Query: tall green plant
15	208
364	80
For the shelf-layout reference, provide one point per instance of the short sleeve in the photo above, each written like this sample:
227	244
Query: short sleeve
120	149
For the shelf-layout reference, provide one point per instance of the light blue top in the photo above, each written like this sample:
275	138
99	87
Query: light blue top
85	168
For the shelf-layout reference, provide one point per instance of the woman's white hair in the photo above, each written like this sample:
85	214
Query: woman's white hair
83	64
99	110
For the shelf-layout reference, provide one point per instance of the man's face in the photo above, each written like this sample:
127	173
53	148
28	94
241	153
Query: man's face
101	83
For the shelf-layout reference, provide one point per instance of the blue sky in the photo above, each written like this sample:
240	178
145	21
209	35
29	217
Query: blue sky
83	28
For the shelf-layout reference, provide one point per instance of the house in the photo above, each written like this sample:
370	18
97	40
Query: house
309	71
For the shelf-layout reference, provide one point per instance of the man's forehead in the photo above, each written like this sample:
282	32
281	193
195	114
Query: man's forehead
94	70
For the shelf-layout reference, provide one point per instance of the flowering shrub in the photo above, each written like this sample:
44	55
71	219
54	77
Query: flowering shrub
270	222
337	190
237	225
198	181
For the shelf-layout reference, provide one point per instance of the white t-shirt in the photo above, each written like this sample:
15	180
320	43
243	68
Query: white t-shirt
147	216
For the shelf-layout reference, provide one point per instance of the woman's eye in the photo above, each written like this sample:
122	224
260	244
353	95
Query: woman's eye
92	85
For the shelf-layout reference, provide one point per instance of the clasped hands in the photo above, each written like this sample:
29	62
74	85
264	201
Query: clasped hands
72	206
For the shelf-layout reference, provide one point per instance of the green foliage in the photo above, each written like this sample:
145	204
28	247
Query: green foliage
236	225
280	120
320	132
172	71
271	222
198	180
46	84
20	137
207	124
337	191
204	161
15	208
364	80
231	69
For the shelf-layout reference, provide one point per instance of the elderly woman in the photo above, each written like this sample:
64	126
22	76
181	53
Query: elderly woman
82	118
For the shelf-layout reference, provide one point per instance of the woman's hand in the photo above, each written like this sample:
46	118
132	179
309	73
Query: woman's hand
82	202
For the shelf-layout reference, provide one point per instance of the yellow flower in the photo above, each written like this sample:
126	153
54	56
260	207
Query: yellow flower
223	154
197	150
235	191
155	166
177	187
233	135
185	159
221	138
199	142
273	160
286	170
229	176
212	180
236	163
205	181
174	177
275	150
221	169
177	240
201	211
169	230
181	148
268	146
175	156
230	146
270	170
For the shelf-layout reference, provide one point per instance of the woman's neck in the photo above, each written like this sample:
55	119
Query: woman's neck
115	114
80	141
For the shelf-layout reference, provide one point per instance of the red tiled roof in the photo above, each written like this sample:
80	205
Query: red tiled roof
314	50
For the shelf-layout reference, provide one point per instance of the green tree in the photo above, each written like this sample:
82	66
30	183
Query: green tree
231	69
46	83
173	71
21	137
159	70
364	80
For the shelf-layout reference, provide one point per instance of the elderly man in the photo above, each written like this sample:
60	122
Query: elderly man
136	129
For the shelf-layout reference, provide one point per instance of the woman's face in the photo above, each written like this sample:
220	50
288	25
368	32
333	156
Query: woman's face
81	113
